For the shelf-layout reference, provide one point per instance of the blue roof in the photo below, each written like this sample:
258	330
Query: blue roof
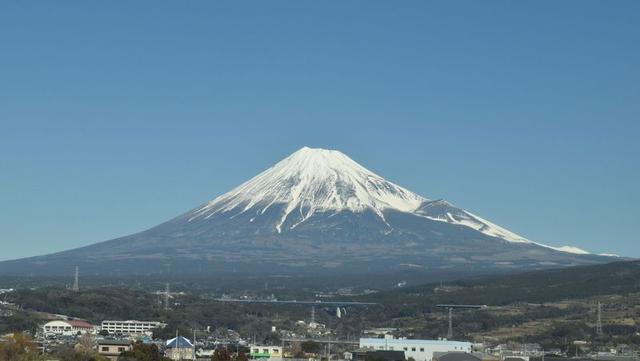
179	342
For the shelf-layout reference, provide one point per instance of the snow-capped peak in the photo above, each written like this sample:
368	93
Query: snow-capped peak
319	180
314	179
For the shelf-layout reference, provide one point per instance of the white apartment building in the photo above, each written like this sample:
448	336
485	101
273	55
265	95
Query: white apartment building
131	327
419	350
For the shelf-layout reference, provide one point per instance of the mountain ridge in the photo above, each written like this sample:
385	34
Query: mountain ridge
321	210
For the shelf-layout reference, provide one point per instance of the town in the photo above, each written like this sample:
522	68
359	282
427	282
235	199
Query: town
335	324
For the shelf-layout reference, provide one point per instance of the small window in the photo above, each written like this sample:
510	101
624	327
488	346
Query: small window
413	349
120	349
421	349
406	349
105	348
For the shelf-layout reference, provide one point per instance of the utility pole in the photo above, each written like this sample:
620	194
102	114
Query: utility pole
166	297
450	331
76	285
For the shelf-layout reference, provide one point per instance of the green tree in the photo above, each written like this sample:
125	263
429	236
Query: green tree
272	339
310	346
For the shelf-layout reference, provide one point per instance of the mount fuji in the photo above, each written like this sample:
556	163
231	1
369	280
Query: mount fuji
315	211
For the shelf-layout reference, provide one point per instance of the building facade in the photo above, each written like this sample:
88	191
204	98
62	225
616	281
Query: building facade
180	348
131	327
68	327
419	350
111	349
258	351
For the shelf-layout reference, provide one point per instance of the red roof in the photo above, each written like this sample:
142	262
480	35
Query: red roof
80	324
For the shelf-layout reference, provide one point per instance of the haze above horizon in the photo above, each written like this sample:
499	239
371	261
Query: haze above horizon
118	116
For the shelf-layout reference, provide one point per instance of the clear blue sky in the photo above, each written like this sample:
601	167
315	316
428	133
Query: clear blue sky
116	116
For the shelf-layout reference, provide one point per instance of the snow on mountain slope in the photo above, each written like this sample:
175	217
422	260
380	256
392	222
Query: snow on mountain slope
569	249
319	180
443	211
313	180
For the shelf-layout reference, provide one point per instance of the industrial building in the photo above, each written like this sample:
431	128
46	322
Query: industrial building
419	350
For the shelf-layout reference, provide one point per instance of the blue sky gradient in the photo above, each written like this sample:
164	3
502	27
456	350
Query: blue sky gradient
116	116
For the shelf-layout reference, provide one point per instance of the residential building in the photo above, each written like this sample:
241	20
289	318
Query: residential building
131	327
258	351
68	327
111	349
419	350
180	348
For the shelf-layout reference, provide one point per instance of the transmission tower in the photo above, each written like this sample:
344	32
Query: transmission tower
450	307
599	321
76	285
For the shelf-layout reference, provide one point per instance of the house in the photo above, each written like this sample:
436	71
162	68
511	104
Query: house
258	351
111	348
179	348
68	327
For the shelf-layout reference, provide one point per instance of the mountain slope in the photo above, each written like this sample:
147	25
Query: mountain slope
614	278
316	210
